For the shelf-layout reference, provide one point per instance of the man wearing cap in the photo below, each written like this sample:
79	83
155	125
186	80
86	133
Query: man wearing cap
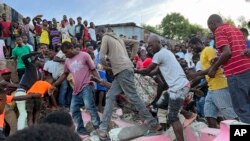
10	115
32	73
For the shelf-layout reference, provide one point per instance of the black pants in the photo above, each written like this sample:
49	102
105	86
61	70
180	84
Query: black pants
20	73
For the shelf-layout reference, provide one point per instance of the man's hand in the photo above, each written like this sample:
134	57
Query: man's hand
51	90
212	72
191	75
214	60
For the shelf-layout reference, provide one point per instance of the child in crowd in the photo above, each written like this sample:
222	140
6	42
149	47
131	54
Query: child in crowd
100	89
36	108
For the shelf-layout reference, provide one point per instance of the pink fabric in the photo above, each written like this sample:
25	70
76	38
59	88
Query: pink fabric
80	67
139	64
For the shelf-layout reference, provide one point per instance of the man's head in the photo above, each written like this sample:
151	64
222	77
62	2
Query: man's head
25	39
245	33
71	21
39	61
28	19
196	44
85	23
6	74
154	43
92	25
25	21
4	16
65	18
214	21
61	118
68	49
54	20
79	20
45	132
45	23
99	32
19	41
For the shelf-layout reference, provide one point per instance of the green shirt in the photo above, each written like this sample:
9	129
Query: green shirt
18	53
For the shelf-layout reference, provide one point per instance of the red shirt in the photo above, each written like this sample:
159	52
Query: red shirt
38	30
6	28
227	35
86	36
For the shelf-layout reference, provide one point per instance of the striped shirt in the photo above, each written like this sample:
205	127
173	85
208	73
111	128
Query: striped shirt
227	35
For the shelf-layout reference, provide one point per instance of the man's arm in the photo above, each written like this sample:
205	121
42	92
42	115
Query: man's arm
61	79
26	97
147	71
224	57
104	51
134	45
59	60
26	57
7	84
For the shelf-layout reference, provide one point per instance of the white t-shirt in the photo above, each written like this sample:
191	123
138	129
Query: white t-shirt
61	55
188	58
65	33
92	34
198	66
180	54
170	69
71	29
2	44
54	68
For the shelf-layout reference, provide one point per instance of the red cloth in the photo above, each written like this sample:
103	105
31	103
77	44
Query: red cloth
86	36
6	28
227	35
84	50
147	62
38	30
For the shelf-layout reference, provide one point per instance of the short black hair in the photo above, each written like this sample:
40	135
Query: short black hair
195	40
67	45
59	117
244	31
45	132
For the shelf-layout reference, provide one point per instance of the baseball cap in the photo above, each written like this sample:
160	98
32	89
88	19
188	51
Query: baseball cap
4	71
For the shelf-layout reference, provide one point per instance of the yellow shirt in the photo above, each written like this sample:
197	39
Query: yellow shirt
219	81
44	38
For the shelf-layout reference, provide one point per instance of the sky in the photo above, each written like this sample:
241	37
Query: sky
139	11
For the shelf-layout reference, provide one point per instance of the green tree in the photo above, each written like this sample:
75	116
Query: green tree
175	26
155	29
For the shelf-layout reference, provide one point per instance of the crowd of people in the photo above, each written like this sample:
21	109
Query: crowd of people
70	66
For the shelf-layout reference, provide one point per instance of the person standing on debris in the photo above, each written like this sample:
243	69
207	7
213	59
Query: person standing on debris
123	70
176	79
81	66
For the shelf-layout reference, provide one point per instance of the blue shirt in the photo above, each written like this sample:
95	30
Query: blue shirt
248	43
100	87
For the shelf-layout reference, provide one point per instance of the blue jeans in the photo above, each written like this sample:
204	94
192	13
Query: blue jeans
200	102
84	98
239	88
64	94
